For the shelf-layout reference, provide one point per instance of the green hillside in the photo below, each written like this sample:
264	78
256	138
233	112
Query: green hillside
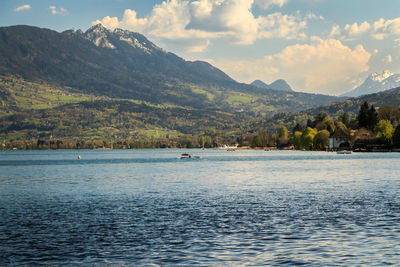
32	110
117	84
350	106
39	109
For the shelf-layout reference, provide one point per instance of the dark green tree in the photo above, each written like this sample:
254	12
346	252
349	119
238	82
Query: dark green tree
298	128
396	137
362	117
373	117
320	117
296	140
283	135
310	123
326	124
321	140
367	116
345	118
257	141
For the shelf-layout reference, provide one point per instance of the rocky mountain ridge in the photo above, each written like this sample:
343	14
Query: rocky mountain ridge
376	83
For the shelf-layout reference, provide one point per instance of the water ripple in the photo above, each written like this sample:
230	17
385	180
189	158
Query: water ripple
251	209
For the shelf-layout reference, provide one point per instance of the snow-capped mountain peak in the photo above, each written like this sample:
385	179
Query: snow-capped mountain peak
376	83
99	36
380	77
103	37
135	40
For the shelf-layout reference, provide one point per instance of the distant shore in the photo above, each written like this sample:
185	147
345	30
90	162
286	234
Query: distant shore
392	150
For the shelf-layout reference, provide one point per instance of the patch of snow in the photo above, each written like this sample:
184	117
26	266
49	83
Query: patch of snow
376	83
135	43
380	77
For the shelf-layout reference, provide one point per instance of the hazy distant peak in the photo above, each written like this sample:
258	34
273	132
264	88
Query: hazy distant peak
259	83
279	85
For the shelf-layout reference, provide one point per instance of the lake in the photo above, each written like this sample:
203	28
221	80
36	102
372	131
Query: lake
241	208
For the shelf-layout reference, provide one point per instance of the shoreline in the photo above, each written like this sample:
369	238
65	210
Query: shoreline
393	150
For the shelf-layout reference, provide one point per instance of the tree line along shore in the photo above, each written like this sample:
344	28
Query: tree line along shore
370	130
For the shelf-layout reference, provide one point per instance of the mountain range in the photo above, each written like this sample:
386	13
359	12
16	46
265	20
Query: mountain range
376	83
118	83
279	85
99	61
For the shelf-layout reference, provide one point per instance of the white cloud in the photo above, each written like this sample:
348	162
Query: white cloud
386	59
229	17
205	20
323	66
379	30
265	4
350	31
311	16
109	22
58	11
196	48
277	25
23	7
53	10
383	29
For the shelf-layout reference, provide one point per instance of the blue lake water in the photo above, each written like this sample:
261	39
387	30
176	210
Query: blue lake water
242	208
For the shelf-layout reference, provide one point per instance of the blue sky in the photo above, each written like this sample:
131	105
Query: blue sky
319	46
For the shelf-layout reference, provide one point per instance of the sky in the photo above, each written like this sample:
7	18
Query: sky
317	46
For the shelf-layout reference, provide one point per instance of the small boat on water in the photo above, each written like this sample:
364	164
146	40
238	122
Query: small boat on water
228	148
186	156
189	156
343	152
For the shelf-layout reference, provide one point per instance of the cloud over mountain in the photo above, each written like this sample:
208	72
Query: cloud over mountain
313	67
194	24
324	64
